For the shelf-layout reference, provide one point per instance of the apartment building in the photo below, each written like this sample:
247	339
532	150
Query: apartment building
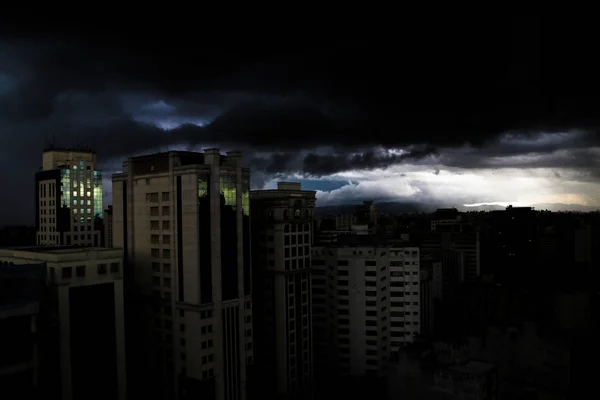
282	226
366	304
68	198
86	350
183	220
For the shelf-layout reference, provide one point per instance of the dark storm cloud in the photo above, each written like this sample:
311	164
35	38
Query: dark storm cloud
103	87
575	158
324	94
318	165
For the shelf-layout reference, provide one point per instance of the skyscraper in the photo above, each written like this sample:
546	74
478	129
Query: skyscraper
282	236
68	198
183	220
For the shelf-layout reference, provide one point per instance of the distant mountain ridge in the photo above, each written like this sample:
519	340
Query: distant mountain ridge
411	208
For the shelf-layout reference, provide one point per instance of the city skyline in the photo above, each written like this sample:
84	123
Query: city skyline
432	124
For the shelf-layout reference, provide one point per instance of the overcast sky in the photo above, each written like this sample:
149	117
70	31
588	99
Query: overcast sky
455	114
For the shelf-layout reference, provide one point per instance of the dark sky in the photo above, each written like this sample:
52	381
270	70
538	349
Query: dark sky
381	113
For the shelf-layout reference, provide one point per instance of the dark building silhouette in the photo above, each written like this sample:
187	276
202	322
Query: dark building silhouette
282	222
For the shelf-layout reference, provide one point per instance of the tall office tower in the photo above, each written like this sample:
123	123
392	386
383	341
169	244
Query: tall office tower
182	219
513	242
465	241
282	234
82	348
68	198
108	228
366	299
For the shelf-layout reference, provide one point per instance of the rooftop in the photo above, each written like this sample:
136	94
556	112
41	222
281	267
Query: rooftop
58	254
284	189
69	149
56	249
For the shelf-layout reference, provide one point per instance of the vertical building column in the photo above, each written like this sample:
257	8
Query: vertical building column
120	339
235	158
34	350
65	342
213	158
130	218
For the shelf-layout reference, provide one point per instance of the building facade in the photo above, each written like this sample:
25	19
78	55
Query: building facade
86	303
69	199
183	220
21	294
108	228
282	226
366	305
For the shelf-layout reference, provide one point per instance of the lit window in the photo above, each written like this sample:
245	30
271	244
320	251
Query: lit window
89	194
74	193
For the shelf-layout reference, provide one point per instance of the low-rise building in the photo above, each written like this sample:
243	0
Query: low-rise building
85	300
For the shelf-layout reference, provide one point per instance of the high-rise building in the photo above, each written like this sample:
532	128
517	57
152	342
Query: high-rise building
282	234
366	303
183	221
68	198
82	351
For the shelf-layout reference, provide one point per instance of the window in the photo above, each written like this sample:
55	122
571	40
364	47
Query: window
165	211
166	239
114	268
165	196
67	272
166	225
102	269
154	239
154	211
152	197
155	267
166	268
155	252
80	271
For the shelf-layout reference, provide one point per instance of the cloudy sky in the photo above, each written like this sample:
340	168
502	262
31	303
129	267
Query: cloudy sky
431	113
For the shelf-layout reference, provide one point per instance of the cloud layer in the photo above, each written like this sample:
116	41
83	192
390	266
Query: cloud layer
463	124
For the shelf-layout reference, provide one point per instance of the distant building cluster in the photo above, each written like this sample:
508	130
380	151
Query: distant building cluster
191	285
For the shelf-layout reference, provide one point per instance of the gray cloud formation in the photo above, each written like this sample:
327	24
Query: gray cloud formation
115	97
